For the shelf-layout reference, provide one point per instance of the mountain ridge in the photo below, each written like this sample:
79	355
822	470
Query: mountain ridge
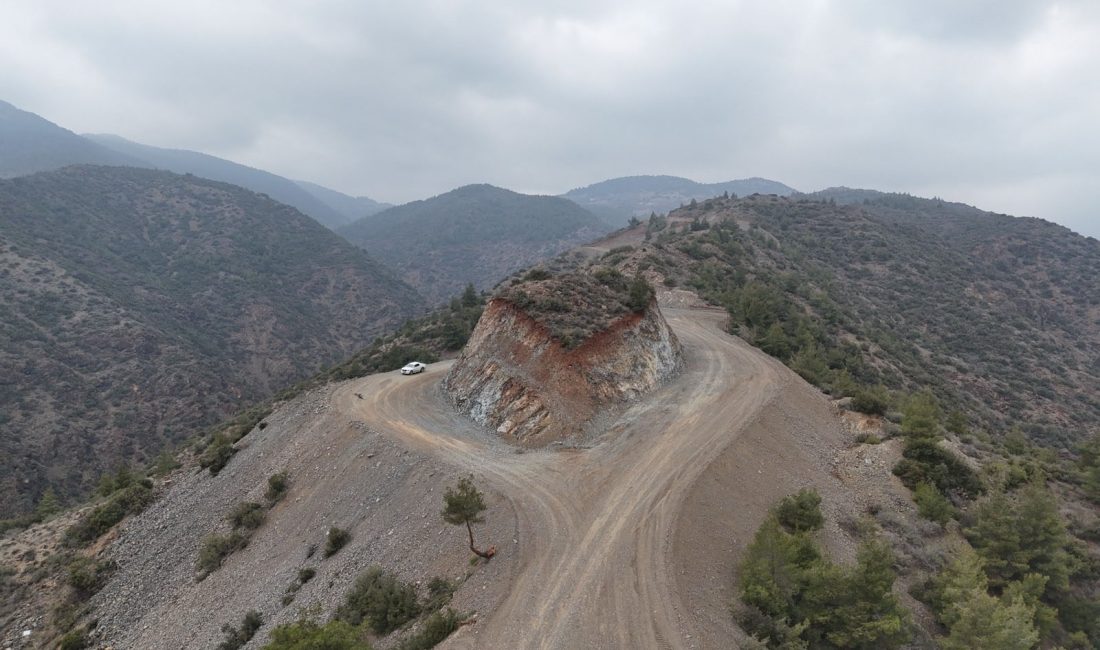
144	305
475	233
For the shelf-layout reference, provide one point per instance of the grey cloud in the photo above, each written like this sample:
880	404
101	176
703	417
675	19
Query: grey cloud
987	102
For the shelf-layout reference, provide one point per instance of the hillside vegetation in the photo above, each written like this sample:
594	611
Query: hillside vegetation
140	306
182	161
477	233
998	316
618	199
29	143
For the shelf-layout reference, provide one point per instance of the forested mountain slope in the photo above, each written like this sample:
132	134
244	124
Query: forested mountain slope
476	233
349	207
182	161
1000	316
140	305
29	143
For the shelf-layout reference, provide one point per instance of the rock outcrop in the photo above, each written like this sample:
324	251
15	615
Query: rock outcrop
516	377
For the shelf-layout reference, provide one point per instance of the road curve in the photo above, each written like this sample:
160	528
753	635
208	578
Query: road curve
595	526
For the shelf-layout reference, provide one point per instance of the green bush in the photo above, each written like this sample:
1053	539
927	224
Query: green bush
436	628
305	575
307	635
277	485
924	461
214	550
872	400
248	515
381	600
336	539
639	294
87	576
217	454
128	501
440	591
237	637
932	505
800	512
73	640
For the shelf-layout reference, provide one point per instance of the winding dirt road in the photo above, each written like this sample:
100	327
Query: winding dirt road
595	525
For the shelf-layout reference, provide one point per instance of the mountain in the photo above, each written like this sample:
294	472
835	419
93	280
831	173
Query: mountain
476	233
350	207
998	316
182	161
618	199
29	143
140	306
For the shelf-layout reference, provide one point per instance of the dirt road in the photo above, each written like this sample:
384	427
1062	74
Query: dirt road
595	525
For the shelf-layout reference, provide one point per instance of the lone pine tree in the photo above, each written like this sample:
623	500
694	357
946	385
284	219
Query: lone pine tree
464	504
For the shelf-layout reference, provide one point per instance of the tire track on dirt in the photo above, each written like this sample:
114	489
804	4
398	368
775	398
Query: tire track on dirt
595	526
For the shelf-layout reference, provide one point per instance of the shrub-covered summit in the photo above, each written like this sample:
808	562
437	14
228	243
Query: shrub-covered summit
574	306
476	233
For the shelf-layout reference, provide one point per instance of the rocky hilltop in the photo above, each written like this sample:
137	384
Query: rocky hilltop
550	352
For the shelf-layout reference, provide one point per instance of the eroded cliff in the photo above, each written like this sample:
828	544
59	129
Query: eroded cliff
534	381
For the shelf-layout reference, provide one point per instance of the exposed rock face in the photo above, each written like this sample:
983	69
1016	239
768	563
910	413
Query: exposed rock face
516	378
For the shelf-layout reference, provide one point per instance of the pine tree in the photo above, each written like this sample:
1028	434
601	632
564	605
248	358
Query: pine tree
773	573
988	622
463	505
964	574
867	614
921	416
48	504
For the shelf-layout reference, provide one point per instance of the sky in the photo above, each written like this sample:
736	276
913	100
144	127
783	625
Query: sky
991	102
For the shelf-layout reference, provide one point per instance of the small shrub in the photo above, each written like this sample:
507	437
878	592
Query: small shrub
87	576
381	600
305	575
932	505
800	512
436	628
73	640
215	548
639	294
924	461
307	635
872	400
277	485
237	637
248	515
217	454
130	500
440	591
336	539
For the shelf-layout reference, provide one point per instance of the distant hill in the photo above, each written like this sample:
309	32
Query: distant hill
29	144
999	316
349	207
618	199
477	233
139	306
182	161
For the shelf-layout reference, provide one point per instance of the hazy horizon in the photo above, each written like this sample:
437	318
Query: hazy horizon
988	104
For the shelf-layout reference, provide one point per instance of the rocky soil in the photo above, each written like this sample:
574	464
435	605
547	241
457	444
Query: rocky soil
342	474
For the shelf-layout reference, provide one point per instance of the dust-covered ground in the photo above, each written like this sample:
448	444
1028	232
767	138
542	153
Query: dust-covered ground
630	542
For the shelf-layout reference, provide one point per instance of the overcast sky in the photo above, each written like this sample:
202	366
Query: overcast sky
992	102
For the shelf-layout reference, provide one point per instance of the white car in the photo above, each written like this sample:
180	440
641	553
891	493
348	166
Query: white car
412	368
